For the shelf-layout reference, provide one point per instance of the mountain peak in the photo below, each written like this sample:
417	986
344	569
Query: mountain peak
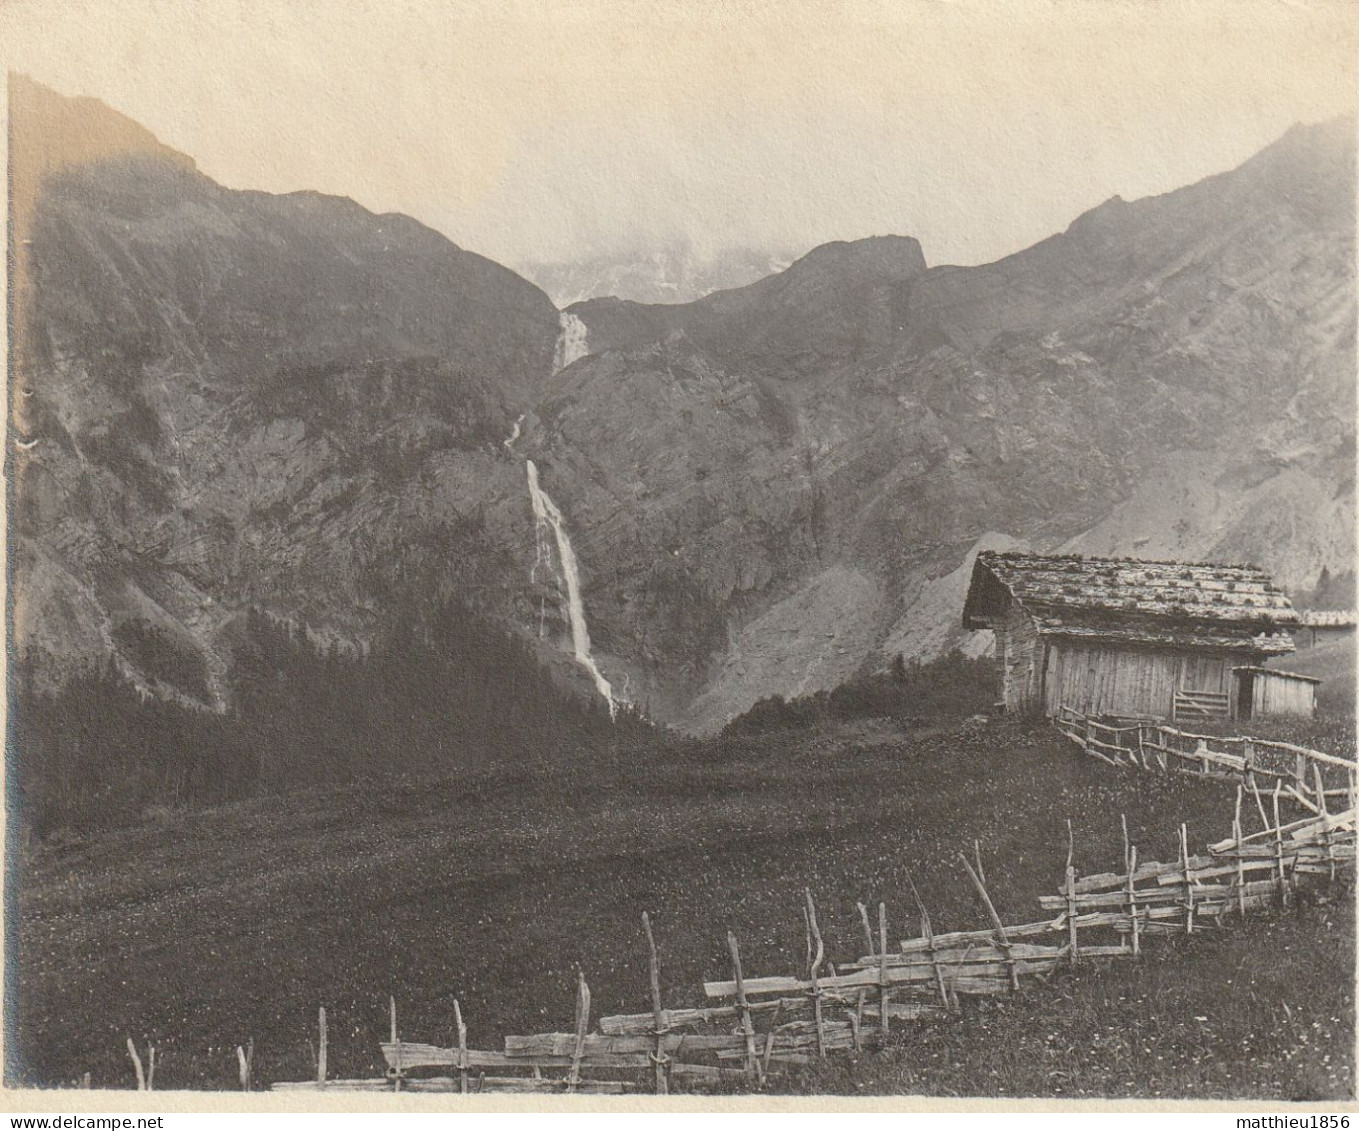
53	132
888	257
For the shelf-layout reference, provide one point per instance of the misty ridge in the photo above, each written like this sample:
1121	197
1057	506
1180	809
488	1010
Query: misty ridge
313	492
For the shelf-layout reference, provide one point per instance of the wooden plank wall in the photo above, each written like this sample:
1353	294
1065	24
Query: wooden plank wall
1279	695
1020	649
1099	679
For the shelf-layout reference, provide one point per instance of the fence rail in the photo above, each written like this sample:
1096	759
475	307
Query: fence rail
757	1025
1312	778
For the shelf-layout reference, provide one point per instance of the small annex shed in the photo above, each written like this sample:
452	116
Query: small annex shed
1269	691
1123	637
1321	626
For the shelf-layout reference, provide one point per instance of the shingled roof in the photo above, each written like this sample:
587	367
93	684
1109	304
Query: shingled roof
1137	602
1327	618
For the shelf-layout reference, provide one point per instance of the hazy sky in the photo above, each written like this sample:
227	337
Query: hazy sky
528	130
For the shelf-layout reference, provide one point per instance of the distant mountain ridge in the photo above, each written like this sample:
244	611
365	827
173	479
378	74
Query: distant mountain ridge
673	272
235	400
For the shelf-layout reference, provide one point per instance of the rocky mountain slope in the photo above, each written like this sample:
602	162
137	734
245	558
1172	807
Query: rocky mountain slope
229	399
225	399
802	462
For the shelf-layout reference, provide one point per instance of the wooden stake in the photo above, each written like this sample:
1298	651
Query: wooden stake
1240	863
868	930
807	923
245	1062
1071	894
1132	901
976	853
321	1048
812	976
150	1068
462	1047
136	1064
747	1028
582	1028
396	1072
928	933
883	992
1259	804
1279	850
770	1038
1002	940
1129	867
1325	819
1188	881
658	1024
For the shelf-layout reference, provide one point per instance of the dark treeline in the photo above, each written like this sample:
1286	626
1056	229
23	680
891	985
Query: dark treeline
432	693
947	687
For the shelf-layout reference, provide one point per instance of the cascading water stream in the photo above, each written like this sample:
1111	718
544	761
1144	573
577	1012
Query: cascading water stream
571	342
546	513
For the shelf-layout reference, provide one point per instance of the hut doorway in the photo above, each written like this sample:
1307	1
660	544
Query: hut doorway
1245	694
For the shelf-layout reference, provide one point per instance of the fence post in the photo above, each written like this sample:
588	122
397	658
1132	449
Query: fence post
1071	893
321	1040
1325	819
657	1012
1279	850
928	932
1188	881
246	1061
582	1027
747	1028
868	927
812	975
396	1041
137	1065
1260	805
1002	939
883	992
1132	901
462	1047
1130	867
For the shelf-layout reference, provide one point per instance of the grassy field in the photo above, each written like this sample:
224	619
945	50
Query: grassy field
201	930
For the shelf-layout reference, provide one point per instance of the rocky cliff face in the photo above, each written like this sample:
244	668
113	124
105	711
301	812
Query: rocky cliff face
228	399
231	398
807	460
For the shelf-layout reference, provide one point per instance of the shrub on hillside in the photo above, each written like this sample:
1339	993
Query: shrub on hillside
949	687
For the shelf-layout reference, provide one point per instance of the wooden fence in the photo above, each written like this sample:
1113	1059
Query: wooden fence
1312	778
757	1025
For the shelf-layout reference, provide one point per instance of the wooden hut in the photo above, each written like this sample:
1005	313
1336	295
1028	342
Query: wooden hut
1321	626
1268	691
1122	637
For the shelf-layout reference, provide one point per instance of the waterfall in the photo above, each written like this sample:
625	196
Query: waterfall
570	342
545	512
509	443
